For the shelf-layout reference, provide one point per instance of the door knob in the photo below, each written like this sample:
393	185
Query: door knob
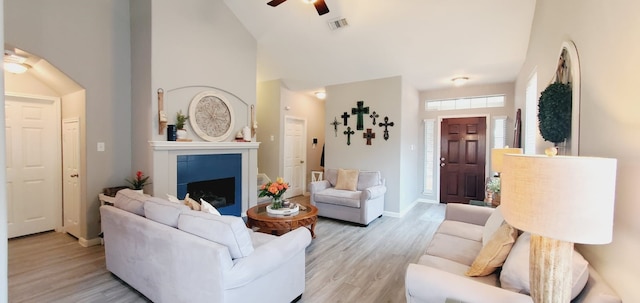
301	161
441	164
442	159
74	176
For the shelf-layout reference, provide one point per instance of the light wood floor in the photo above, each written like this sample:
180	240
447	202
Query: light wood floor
345	263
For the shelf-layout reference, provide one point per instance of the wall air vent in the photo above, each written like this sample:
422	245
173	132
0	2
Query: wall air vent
338	23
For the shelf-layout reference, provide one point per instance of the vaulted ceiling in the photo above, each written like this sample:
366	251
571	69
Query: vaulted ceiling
427	42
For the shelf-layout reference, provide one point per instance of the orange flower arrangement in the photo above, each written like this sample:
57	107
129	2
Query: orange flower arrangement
274	190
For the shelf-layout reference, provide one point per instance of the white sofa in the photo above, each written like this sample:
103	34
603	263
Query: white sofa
439	276
170	253
362	205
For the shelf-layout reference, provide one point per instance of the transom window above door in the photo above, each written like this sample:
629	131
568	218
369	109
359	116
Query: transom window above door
465	103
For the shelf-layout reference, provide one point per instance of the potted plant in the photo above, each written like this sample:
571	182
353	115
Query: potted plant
493	191
181	118
554	112
139	181
275	190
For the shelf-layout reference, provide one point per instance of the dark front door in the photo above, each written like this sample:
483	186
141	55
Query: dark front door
462	159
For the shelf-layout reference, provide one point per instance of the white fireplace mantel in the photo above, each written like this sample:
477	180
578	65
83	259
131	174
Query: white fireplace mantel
164	165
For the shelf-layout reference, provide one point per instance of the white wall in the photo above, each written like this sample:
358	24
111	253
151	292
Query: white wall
410	148
385	97
607	36
4	293
89	42
269	111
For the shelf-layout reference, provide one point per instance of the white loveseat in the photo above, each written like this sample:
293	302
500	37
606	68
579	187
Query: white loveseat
361	204
439	276
170	253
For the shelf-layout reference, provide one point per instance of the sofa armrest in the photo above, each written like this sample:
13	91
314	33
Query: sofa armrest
472	214
267	257
317	186
428	284
373	192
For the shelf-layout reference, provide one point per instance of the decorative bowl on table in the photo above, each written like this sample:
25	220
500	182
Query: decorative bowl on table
292	209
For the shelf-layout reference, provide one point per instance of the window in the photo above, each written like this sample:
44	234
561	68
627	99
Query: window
531	115
429	157
465	103
499	132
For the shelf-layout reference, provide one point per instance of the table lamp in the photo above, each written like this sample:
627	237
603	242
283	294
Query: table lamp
560	201
497	157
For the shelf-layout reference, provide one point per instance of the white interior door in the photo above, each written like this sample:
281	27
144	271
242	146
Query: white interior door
33	165
295	130
71	175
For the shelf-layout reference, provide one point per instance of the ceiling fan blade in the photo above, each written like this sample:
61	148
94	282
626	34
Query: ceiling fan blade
321	7
275	3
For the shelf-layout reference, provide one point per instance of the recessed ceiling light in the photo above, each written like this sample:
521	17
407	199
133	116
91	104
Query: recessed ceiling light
320	95
308	1
458	81
16	68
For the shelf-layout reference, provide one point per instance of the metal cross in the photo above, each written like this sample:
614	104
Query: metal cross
345	116
386	124
369	135
349	132
359	110
335	124
373	116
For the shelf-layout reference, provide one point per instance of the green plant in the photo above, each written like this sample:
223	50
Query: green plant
554	112
181	119
139	181
493	185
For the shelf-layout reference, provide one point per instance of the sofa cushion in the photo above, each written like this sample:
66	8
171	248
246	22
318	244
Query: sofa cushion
229	231
454	248
163	211
461	229
457	269
339	197
368	179
131	201
493	223
493	254
331	175
347	179
515	271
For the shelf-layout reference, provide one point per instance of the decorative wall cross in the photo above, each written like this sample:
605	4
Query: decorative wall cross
349	132
335	124
373	116
345	116
369	135
359	111
386	124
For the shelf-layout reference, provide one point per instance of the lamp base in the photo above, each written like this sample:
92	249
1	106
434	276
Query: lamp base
550	270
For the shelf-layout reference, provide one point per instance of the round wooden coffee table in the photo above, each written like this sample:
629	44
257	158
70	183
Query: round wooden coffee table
257	216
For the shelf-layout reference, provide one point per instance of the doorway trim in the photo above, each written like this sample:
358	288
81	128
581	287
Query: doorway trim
438	139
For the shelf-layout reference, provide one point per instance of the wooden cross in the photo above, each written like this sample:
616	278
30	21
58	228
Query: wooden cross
349	132
386	124
359	111
373	116
345	116
369	135
335	124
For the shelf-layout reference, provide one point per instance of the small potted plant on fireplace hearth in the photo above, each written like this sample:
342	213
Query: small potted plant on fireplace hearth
181	119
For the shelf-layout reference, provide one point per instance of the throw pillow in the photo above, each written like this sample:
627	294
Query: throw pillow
515	271
173	199
493	254
208	208
347	179
493	223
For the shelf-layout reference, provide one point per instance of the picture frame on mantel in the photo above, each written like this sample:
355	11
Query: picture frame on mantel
211	116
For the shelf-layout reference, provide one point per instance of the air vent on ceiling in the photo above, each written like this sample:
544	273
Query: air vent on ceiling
335	24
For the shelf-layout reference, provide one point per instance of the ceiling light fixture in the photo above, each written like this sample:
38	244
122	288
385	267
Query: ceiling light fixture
309	1
14	63
321	95
458	81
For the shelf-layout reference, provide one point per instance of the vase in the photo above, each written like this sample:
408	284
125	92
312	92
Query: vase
140	191
276	203
181	134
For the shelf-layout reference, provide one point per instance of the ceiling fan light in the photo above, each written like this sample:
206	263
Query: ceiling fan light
459	81
16	68
321	95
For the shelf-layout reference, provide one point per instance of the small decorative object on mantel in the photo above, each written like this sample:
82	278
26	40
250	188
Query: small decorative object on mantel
211	116
345	117
162	116
386	124
359	111
369	135
373	116
275	190
139	182
181	133
349	132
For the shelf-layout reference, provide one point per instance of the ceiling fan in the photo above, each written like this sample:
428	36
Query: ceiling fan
321	7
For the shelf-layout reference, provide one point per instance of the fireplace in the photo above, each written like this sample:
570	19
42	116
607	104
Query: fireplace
214	178
175	164
219	192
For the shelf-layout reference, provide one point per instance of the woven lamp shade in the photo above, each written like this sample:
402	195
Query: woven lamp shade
564	198
497	157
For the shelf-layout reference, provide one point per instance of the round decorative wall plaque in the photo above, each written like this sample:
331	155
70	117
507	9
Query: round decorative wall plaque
211	116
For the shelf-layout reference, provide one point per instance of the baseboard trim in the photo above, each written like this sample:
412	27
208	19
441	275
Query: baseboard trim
91	242
407	209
